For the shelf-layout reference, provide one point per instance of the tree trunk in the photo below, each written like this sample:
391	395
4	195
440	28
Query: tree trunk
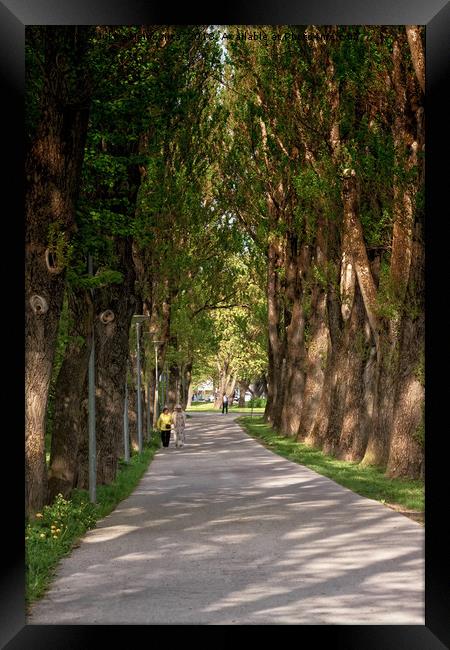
407	144
259	387
186	385
190	394
406	454
67	419
357	349
114	308
275	263
318	344
317	353
173	393
227	382
297	267
334	361
243	388
357	252
335	325
417	54
53	168
403	192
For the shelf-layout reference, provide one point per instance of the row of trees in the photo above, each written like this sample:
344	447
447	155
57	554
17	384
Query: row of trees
323	165
261	204
121	128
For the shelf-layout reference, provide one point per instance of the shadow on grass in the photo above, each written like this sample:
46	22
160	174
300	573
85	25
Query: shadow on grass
404	496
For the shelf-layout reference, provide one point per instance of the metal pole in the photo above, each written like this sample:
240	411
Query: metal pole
164	388
126	439
155	405
91	409
183	385
149	426
139	404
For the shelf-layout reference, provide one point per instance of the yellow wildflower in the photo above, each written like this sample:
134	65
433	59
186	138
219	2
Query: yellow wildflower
42	535
39	515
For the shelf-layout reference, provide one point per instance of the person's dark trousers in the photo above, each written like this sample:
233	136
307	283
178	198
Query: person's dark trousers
225	408
165	437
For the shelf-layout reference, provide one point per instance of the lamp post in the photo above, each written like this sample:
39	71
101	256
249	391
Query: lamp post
91	408
126	441
139	318
149	426
155	404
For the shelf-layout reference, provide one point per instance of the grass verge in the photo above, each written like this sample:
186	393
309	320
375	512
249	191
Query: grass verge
55	531
209	408
406	496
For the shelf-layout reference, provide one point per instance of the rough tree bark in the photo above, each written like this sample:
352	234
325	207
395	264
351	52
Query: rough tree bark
319	343
226	383
243	388
413	33
173	392
298	261
53	168
406	453
275	345
357	345
408	136
114	308
186	396
68	424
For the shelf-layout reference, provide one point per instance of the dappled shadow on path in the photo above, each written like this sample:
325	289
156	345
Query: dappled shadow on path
223	531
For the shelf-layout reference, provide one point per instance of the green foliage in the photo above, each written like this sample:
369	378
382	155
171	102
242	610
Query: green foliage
307	334
388	304
312	192
322	274
51	535
307	302
59	245
54	532
361	345
256	402
103	278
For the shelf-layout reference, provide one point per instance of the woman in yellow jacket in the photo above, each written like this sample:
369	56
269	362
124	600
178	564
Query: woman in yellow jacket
164	425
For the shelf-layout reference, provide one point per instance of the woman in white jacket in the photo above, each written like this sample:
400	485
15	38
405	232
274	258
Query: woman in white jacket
179	425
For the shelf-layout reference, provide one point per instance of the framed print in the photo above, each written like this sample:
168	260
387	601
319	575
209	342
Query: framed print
434	16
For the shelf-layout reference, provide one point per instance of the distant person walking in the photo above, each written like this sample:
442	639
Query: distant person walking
164	426
179	425
224	404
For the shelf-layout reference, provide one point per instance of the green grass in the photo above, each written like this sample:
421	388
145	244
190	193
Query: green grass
55	531
208	407
369	482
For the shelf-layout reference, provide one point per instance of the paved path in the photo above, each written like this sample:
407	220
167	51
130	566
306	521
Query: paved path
224	531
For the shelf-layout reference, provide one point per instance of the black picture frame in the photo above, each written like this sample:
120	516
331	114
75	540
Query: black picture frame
435	14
